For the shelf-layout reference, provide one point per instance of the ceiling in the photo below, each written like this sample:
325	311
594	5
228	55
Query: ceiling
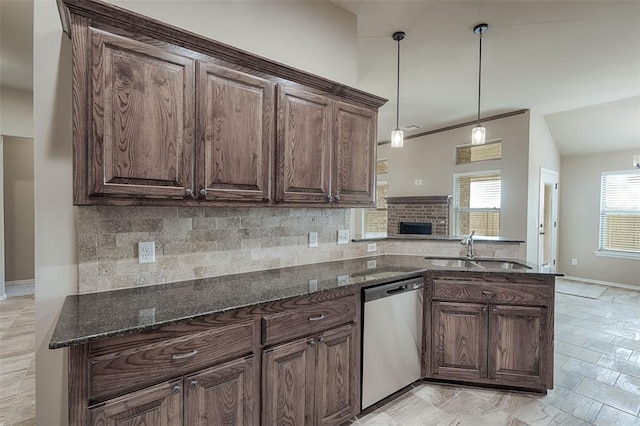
575	62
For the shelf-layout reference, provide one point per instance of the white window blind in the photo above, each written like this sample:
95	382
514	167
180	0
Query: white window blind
477	203
620	211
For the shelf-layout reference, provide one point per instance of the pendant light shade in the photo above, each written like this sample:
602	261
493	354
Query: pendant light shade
478	133
397	136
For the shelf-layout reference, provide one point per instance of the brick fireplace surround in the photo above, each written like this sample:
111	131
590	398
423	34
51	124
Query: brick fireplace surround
432	209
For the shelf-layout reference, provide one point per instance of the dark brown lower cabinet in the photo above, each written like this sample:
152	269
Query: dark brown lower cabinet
311	381
459	340
489	344
156	405
220	395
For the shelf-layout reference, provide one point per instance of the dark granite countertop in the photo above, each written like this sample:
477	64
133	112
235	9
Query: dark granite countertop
92	316
417	237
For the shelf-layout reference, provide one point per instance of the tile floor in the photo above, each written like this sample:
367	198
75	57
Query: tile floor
597	376
597	373
17	361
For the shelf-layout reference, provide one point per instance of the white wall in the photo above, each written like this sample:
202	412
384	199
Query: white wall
314	36
579	219
16	112
432	159
543	152
18	208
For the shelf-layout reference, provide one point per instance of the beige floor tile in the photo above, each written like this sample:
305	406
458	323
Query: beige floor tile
578	352
574	404
609	416
593	371
607	348
615	397
629	384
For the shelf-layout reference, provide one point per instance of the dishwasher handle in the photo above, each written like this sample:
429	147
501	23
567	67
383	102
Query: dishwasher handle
400	289
391	289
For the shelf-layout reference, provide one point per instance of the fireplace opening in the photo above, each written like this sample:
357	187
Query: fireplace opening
421	228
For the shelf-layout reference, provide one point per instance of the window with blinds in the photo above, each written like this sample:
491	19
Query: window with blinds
620	212
476	198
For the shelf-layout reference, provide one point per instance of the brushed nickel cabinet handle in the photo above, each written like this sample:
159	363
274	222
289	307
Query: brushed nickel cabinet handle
176	389
311	342
330	198
189	192
495	311
183	356
337	197
203	192
318	318
193	384
484	309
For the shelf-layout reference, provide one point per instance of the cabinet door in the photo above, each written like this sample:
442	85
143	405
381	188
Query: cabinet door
354	157
222	395
143	119
288	383
235	132
335	392
304	146
517	342
459	341
159	405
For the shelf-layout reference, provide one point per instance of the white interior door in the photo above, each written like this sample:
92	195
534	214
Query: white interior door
548	220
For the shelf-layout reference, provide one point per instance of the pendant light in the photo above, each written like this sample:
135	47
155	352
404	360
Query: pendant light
397	137
478	133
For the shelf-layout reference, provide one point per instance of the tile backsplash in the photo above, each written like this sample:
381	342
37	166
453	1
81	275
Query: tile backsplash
195	242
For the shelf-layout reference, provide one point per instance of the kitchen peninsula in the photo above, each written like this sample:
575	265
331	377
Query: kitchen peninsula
286	342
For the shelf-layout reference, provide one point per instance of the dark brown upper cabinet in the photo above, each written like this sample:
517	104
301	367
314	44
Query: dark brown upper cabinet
326	150
142	116
162	116
235	135
354	158
304	146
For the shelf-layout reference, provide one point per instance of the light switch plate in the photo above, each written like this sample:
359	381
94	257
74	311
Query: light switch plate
371	264
343	236
146	252
372	247
313	239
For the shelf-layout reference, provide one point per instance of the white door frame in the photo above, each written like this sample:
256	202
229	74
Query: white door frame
548	177
3	293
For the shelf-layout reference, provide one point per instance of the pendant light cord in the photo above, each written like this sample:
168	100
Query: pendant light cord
479	76
398	88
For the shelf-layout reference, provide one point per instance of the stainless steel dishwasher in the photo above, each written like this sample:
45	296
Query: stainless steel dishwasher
391	338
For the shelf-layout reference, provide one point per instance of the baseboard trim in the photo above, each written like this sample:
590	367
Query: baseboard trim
20	282
607	283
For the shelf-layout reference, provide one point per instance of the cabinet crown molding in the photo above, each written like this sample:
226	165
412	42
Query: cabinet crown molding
122	18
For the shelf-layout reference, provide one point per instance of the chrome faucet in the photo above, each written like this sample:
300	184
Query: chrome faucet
468	241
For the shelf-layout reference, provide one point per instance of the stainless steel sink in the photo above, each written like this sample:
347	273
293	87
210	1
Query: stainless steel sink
463	262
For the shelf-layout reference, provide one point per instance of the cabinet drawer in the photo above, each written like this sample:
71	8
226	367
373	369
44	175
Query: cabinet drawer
118	372
510	293
307	320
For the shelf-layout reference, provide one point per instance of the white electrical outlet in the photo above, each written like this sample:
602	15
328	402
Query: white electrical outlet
371	264
313	284
147	316
343	236
313	239
342	280
372	247
146	252
574	261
